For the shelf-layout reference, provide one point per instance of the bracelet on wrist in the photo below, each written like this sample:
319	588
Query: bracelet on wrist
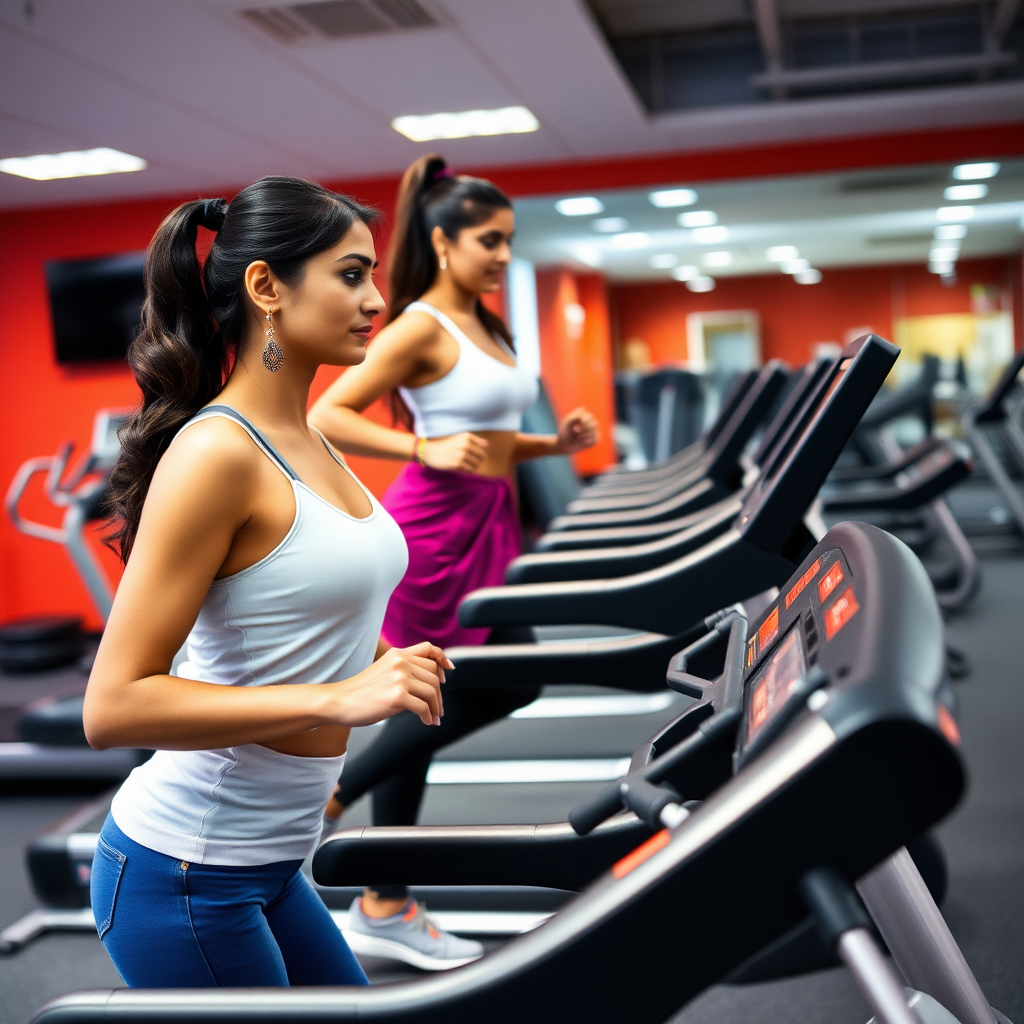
420	455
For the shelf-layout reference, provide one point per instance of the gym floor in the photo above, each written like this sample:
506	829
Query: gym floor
983	839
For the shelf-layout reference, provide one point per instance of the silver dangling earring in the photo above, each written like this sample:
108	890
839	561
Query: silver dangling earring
443	262
273	357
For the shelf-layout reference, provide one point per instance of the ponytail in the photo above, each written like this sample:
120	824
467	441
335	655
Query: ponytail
194	319
430	196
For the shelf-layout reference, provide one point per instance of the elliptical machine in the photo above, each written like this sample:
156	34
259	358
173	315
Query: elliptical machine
49	741
80	494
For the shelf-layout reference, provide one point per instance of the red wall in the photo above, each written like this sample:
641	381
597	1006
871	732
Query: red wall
794	317
41	403
577	369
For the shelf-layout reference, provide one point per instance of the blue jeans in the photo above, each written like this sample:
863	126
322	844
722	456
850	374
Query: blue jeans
168	924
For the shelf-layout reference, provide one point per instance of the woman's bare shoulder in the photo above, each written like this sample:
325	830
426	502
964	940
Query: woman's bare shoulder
213	459
410	331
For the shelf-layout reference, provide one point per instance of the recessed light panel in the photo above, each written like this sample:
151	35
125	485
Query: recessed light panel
687	273
972	172
951	231
808	276
669	197
631	240
709	236
663	260
781	253
697	219
718	259
965	193
701	284
608	225
954	214
579	206
466	123
77	164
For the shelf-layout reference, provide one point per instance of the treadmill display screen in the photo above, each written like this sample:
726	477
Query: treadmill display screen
768	691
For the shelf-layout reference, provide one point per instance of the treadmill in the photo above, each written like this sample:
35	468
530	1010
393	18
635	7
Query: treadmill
997	439
619	476
816	749
58	861
718	464
715	474
762	539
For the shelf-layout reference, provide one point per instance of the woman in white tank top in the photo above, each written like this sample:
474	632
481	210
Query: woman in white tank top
449	366
246	537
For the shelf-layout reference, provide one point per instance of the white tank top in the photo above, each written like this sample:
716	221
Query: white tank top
478	393
309	612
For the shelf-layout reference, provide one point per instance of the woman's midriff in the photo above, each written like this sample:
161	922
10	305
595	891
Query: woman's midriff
327	741
498	460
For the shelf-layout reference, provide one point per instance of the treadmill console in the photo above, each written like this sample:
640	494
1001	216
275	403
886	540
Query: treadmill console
801	631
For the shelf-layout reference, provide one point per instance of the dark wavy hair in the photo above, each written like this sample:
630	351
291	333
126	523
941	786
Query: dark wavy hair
194	319
430	196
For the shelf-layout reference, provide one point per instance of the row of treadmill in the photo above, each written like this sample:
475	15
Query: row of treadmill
772	815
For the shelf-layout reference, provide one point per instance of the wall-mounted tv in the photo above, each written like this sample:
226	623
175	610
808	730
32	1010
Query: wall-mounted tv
96	304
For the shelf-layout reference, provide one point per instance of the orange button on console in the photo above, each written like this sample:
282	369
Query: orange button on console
830	581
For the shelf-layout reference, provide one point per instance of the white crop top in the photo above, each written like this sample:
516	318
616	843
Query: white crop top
478	393
309	612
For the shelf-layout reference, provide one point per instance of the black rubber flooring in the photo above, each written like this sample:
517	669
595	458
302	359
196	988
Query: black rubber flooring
984	840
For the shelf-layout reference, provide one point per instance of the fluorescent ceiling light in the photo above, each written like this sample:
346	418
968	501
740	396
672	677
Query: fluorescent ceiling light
808	276
709	236
608	225
586	253
964	193
631	240
954	213
697	219
941	268
717	259
951	231
687	273
663	260
465	123
673	197
782	253
78	164
943	254
701	284
971	172
794	266
579	206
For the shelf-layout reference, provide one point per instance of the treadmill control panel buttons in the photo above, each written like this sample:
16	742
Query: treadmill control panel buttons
843	609
769	629
830	581
803	581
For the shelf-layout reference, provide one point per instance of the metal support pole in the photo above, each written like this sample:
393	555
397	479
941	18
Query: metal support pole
920	940
984	451
875	978
969	572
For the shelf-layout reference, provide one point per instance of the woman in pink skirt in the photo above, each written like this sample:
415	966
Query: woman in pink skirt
449	365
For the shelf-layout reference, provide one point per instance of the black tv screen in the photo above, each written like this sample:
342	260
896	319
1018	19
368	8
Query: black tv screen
96	305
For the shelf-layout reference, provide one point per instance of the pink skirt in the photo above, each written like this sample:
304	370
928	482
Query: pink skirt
462	532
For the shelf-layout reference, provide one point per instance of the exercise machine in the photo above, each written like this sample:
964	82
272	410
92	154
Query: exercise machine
825	725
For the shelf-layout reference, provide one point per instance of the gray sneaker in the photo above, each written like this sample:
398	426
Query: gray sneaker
409	936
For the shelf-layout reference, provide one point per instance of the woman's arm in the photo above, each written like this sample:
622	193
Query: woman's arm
395	356
576	432
203	494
